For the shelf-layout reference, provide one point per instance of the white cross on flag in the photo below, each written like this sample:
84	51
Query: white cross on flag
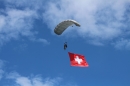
77	60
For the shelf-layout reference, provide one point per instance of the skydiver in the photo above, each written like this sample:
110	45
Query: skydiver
65	45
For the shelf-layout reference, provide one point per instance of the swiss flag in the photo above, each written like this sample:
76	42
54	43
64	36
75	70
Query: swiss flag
77	60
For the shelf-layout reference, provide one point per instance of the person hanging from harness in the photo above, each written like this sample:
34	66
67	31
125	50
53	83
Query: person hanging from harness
65	45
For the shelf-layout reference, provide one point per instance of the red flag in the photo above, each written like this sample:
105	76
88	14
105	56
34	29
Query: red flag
77	60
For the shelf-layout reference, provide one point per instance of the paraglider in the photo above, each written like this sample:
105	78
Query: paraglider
62	26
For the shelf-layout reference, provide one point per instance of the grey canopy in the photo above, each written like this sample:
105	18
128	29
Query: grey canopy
62	26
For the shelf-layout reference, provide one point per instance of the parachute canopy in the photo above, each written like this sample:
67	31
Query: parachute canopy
62	26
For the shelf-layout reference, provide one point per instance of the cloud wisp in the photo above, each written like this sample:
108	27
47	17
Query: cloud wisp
122	44
17	20
1	69
33	80
15	23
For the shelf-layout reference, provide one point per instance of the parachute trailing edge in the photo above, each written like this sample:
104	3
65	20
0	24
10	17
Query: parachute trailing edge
62	26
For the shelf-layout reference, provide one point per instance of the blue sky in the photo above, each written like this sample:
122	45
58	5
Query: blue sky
31	54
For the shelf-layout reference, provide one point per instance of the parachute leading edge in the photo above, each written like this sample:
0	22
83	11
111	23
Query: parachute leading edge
62	26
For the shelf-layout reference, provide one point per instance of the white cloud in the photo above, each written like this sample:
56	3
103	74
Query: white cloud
15	23
41	40
100	20
33	80
44	41
17	19
16	79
